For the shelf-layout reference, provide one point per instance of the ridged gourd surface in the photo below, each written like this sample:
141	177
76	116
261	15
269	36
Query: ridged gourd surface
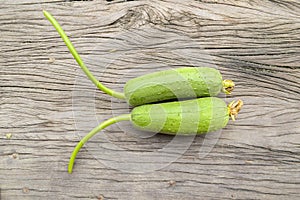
187	82
195	116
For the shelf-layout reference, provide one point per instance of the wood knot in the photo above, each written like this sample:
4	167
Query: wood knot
142	15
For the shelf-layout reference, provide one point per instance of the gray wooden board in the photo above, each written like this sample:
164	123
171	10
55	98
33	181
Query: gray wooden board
47	104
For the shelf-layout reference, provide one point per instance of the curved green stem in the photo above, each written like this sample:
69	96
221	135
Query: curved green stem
125	117
78	59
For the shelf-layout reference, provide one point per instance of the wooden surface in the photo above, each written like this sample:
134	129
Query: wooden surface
47	104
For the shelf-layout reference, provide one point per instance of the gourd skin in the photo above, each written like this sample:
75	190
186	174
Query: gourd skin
181	83
189	117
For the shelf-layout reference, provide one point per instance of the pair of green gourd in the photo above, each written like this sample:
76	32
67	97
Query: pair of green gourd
187	117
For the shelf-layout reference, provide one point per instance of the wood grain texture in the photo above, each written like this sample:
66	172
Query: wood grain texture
47	104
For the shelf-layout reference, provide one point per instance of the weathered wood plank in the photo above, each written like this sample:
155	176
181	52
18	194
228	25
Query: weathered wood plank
47	103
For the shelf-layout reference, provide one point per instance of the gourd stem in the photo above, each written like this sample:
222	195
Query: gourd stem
79	60
125	117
